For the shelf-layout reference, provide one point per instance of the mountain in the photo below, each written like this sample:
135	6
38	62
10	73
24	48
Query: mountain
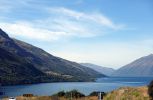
140	67
14	69
24	63
103	70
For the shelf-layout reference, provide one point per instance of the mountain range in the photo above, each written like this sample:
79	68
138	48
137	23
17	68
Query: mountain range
104	70
23	63
142	67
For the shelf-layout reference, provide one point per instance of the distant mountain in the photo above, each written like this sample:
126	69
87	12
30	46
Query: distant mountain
23	63
140	67
104	70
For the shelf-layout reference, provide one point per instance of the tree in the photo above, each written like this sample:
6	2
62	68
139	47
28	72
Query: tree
94	93
74	94
61	94
150	90
97	94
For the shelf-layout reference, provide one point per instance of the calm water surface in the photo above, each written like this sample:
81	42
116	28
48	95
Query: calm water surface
102	84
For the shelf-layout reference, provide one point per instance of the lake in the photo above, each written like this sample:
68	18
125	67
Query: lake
101	84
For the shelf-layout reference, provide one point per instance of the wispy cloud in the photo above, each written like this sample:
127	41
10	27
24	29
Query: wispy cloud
92	16
62	22
28	30
8	6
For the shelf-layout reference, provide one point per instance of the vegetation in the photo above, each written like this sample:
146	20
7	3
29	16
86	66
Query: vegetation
53	98
96	94
150	90
74	94
70	94
93	93
128	93
60	94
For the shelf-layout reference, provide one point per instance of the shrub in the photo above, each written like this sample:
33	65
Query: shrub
94	93
60	94
74	94
150	90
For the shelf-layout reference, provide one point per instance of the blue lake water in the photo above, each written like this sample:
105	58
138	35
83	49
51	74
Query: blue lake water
102	84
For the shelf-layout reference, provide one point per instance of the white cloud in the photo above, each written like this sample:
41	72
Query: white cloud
29	31
61	22
95	17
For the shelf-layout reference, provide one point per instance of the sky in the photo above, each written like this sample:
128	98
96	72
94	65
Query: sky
110	33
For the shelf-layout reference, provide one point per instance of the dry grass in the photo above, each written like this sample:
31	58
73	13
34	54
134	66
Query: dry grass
128	93
52	98
125	93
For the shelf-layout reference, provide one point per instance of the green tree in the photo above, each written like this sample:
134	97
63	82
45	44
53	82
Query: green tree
61	94
74	94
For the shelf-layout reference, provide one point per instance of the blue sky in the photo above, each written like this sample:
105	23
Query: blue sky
109	33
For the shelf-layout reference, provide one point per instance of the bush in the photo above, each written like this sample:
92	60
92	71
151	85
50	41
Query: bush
60	94
94	93
69	94
150	90
74	94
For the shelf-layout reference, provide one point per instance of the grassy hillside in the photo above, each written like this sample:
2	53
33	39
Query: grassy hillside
128	93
